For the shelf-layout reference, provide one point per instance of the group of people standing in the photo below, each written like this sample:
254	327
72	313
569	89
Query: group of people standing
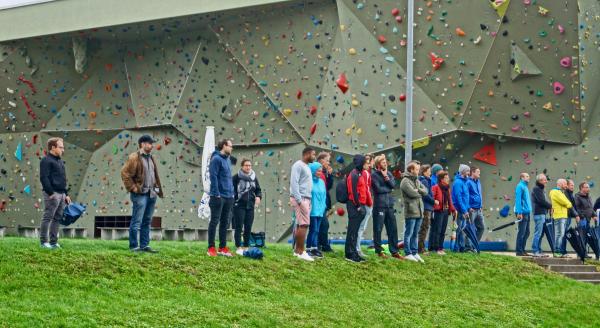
427	196
559	207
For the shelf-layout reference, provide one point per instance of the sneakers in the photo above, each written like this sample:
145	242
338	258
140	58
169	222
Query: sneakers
240	251
46	245
355	259
398	256
147	249
55	246
316	253
382	255
411	257
536	255
556	255
224	251
419	258
304	256
135	249
212	252
441	252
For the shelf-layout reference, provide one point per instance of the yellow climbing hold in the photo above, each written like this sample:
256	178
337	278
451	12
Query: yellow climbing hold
342	27
548	106
359	131
500	6
287	112
352	51
419	143
543	11
355	102
348	131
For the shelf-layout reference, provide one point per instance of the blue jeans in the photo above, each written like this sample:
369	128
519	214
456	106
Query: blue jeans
461	240
411	235
560	228
141	217
538	223
312	240
522	234
563	243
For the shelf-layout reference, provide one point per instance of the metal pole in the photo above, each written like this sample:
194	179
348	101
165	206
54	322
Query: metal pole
409	84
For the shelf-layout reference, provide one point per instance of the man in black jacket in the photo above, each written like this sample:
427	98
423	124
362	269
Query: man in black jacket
383	208
541	206
583	202
54	185
573	212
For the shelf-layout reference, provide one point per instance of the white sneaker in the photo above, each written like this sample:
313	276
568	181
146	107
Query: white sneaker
411	258
419	258
46	245
304	256
240	251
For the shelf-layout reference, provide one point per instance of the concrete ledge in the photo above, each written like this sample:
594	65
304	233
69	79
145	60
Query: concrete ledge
28	231
173	234
114	233
74	232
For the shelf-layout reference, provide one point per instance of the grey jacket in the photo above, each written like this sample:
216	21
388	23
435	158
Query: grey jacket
412	192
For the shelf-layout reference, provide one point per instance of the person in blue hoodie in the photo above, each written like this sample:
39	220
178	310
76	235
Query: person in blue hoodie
318	206
523	211
475	201
428	202
460	199
435	169
221	197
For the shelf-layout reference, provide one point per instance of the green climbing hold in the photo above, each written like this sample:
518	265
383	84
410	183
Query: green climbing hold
115	149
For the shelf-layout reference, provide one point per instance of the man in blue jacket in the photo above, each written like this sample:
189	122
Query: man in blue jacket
221	197
460	198
475	202
523	211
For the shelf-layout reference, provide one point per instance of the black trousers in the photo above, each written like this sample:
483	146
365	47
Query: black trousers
242	221
381	217
323	243
437	231
355	217
220	210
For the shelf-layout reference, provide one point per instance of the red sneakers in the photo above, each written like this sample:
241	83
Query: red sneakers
224	251
212	252
382	255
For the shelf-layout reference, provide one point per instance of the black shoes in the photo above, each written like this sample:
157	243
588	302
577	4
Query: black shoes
147	249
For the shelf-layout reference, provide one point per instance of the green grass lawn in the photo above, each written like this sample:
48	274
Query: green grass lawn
100	283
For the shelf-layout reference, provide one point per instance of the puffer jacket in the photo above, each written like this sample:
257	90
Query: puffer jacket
412	195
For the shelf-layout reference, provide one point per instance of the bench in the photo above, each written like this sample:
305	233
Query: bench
173	234
193	234
28	231
114	233
74	232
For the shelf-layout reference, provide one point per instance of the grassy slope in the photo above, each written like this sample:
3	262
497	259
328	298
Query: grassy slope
99	283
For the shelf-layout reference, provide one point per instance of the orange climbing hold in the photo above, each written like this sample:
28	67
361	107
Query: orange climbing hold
460	32
93	114
313	128
486	154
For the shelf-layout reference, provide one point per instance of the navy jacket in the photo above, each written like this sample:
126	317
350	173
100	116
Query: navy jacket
428	200
221	183
52	175
382	190
541	205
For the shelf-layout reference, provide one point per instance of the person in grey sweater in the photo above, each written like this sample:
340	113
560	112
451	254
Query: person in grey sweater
412	195
584	205
300	195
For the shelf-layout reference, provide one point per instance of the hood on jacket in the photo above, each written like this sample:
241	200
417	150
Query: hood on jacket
314	167
580	194
218	152
539	185
406	174
359	161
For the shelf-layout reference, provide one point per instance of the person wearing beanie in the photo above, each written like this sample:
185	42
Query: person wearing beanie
318	205
460	199
359	198
435	169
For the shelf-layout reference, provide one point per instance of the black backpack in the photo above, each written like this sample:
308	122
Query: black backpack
341	189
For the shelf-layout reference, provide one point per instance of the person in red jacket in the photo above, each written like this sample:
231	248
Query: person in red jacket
442	208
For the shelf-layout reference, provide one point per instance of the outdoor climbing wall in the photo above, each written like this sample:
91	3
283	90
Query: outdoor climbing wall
505	85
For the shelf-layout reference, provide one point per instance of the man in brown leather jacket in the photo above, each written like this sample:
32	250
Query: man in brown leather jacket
140	177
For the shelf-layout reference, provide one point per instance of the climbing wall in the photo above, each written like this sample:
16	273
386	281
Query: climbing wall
506	85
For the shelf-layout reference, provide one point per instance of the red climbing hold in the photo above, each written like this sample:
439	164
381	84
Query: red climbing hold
340	211
342	83
299	94
402	97
313	110
487	154
29	84
436	61
26	103
313	128
381	39
395	12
